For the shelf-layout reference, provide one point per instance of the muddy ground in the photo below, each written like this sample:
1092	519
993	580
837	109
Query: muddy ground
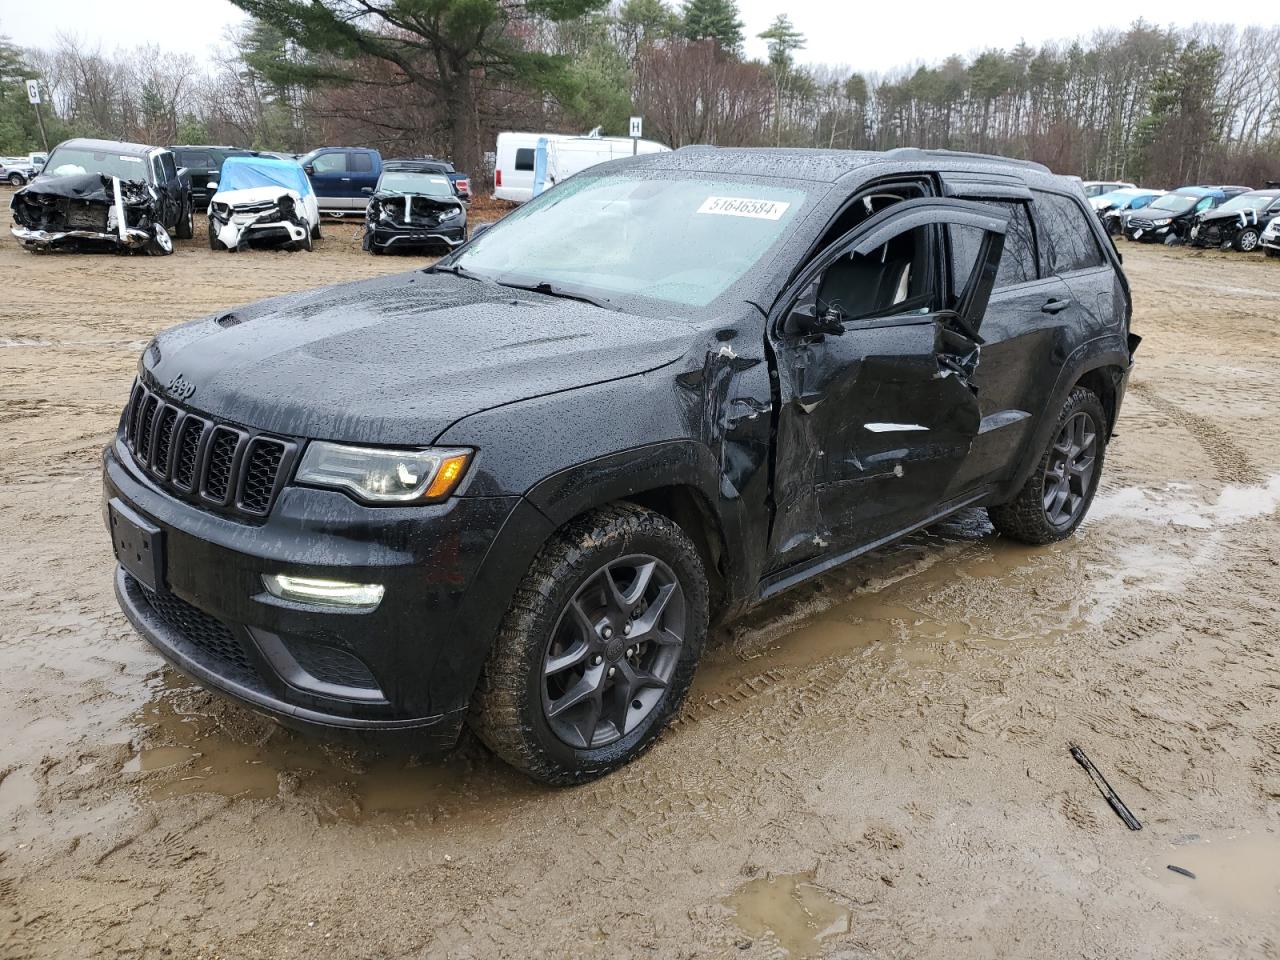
875	765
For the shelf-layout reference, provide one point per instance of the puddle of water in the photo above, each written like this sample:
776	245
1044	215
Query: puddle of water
195	754
1240	874
790	909
1235	504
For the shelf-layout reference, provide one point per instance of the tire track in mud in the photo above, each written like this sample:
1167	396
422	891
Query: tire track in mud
1230	462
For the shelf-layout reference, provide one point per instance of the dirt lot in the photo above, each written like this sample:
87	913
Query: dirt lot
873	766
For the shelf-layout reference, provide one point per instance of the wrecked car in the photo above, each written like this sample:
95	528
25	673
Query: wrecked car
1238	223
1169	219
1270	239
413	206
105	195
262	201
514	488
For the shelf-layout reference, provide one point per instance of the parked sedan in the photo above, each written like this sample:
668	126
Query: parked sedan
1237	223
413	206
1114	208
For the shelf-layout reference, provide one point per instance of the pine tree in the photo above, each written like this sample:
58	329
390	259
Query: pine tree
714	19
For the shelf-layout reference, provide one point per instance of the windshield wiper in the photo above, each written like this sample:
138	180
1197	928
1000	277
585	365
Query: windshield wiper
457	271
551	290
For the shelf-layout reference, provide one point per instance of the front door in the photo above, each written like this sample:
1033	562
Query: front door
876	363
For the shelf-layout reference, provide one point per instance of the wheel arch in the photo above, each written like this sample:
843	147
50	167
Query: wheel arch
1101	366
677	479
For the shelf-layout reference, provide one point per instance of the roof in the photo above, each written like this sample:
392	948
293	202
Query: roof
239	173
803	163
108	146
418	166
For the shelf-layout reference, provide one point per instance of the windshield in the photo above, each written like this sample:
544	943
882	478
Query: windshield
1255	200
69	161
682	241
1175	203
423	184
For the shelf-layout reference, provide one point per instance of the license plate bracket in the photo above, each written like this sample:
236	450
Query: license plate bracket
138	546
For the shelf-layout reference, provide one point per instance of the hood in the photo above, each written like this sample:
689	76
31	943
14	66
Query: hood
1251	214
254	195
396	360
90	187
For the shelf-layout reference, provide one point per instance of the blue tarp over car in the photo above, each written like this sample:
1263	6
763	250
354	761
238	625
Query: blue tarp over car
240	173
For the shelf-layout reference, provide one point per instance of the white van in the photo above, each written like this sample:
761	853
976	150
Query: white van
566	155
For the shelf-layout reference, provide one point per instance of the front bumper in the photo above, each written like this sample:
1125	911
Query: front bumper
384	237
133	237
448	570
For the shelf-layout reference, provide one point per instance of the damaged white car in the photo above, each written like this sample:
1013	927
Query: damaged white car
262	201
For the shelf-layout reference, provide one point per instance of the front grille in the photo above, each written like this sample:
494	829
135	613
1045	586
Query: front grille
1140	224
209	635
86	216
216	465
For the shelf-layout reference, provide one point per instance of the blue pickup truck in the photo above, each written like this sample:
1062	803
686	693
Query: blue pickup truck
343	178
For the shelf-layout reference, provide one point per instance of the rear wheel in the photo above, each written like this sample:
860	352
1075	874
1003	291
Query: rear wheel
598	648
16	179
214	242
1247	240
186	227
1056	497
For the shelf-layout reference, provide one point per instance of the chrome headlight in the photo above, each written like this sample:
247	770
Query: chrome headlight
379	475
451	214
1162	222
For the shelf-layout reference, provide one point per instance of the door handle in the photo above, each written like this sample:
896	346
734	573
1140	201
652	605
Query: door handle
1055	306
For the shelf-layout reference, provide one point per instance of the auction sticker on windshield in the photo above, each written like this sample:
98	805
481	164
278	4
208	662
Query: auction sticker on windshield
744	207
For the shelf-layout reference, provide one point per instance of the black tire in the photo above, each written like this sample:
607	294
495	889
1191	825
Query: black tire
16	179
160	244
315	231
1247	240
214	242
1027	517
186	226
509	711
1272	253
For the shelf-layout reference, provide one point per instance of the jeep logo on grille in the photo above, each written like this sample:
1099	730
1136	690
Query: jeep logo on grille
181	388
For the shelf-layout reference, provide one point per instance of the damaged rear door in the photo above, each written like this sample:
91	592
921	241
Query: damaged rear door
877	409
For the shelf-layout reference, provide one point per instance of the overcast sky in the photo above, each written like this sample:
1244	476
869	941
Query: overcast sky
868	37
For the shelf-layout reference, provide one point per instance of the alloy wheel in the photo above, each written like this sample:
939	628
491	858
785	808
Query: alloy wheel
1248	240
613	651
1069	477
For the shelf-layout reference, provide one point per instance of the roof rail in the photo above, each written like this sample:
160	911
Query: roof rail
918	152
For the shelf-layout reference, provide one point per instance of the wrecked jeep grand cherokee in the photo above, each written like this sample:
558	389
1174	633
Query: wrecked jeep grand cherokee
516	487
101	194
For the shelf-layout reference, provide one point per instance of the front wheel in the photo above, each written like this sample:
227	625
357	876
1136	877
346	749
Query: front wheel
16	179
160	244
1247	240
598	648
1056	497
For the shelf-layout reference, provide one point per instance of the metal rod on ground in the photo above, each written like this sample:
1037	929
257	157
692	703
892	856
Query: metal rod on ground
1111	796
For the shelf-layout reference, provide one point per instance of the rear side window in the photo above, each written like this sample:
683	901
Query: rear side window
330	163
361	163
195	161
1066	238
524	158
169	167
1017	263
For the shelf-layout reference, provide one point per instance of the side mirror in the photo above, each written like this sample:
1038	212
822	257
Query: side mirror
479	228
183	173
805	320
308	169
368	190
211	185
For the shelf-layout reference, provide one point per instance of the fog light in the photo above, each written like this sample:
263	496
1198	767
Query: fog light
329	593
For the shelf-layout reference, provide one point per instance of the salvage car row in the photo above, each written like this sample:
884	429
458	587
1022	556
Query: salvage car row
128	197
1228	217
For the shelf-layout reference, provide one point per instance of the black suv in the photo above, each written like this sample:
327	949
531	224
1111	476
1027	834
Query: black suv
1238	223
516	486
414	206
204	166
100	194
